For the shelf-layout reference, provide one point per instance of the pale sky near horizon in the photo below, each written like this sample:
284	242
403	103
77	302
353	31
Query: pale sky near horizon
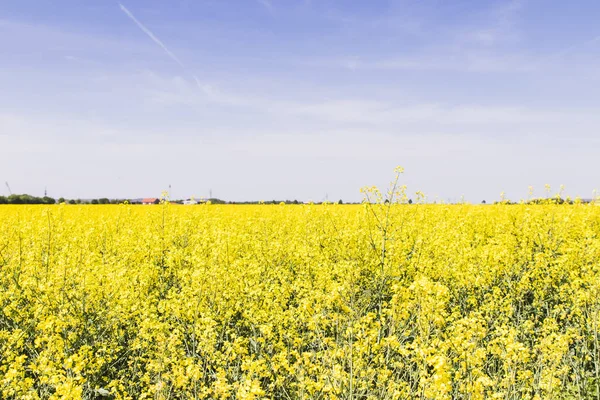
282	99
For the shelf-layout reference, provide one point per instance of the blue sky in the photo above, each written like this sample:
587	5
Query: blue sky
263	99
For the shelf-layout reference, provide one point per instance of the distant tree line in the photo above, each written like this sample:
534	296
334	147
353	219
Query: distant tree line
551	200
263	202
29	199
279	202
26	199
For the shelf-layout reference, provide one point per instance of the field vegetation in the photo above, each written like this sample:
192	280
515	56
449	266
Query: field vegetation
383	300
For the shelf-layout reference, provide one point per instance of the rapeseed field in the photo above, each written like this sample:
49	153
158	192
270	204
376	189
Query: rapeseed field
383	300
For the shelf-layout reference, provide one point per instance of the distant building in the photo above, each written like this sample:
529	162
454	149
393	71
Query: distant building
150	200
190	201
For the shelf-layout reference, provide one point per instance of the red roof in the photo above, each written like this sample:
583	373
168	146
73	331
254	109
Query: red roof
149	200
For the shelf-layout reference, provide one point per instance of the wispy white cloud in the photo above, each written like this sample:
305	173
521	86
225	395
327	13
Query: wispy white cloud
501	27
268	5
382	115
458	61
57	42
435	116
472	46
573	48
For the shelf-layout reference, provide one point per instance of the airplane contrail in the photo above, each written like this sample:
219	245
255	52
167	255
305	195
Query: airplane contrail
158	42
163	46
